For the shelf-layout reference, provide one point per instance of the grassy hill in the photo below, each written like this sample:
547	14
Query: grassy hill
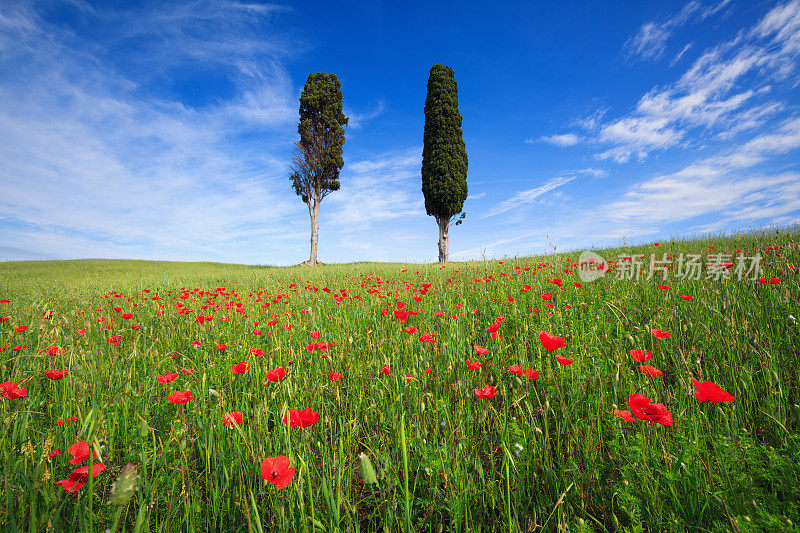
402	440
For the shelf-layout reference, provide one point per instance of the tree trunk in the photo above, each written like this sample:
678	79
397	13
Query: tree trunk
444	226
313	212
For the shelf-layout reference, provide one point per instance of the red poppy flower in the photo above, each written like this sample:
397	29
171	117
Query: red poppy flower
195	344
493	328
276	374
304	418
221	347
625	415
551	342
427	337
127	316
563	360
233	419
240	368
337	377
66	421
78	478
169	377
21	329
258	352
473	365
385	369
525	288
481	350
531	374
516	369
180	397
55	453
663	287
410	329
487	392
687	297
708	391
428	370
655	413
57	375
187	371
651	371
11	390
276	470
660	334
80	452
640	356
256	332
114	339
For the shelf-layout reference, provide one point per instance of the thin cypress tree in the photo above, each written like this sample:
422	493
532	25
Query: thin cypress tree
444	154
317	157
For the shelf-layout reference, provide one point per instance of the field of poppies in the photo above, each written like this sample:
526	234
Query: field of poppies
484	396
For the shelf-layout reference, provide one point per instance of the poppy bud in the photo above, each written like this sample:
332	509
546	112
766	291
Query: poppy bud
213	393
367	470
125	486
144	429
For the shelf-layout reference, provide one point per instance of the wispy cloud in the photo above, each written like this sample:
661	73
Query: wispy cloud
566	139
718	185
650	41
526	197
708	100
357	120
92	163
382	188
680	54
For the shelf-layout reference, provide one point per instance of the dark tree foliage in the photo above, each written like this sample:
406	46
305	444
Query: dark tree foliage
317	157
444	154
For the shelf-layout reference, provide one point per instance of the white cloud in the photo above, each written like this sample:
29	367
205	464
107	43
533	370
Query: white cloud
525	197
383	188
93	164
566	139
715	185
650	41
680	54
639	135
708	94
357	120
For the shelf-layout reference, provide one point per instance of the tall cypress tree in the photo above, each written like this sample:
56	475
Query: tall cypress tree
444	154
317	157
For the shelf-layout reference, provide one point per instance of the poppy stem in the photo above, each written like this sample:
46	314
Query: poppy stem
407	525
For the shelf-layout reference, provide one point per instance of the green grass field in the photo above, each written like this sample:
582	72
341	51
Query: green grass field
410	450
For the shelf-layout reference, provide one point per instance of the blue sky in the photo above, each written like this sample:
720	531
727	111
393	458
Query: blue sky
162	130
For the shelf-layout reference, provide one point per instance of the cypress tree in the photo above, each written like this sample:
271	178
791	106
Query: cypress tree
444	154
317	158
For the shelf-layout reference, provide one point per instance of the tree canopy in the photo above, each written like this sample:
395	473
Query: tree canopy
444	154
